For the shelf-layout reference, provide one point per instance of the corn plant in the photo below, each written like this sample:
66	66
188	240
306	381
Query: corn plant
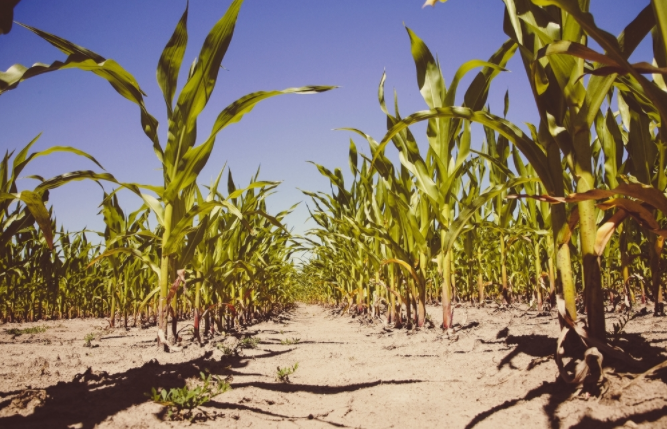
421	201
555	60
589	182
234	252
182	160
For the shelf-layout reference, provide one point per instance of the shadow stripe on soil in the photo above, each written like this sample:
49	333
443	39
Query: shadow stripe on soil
314	388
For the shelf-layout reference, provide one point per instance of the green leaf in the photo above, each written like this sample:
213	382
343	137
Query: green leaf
604	127
383	165
576	50
193	241
527	146
19	159
477	93
171	59
73	176
636	31
462	71
235	111
231	187
270	218
509	173
352	158
612	49
430	81
254	185
35	204
195	158
157	208
132	252
18	166
84	59
197	90
191	164
184	226
464	216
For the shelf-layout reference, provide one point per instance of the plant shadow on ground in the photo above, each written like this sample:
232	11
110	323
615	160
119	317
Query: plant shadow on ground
541	346
92	397
532	345
649	416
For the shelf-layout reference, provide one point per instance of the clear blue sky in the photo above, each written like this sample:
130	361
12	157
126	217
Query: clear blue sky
277	44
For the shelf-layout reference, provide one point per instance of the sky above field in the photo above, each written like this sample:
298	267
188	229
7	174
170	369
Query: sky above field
276	45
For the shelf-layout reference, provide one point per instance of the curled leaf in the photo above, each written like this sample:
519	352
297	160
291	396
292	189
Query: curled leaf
606	230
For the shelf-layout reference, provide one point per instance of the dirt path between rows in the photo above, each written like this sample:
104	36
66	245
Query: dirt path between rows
496	372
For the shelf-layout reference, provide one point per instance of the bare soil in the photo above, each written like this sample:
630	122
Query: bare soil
496	372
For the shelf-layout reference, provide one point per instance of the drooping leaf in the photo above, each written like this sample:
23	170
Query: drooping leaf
34	202
81	58
528	147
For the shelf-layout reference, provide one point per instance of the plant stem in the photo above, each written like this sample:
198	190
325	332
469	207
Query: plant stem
164	272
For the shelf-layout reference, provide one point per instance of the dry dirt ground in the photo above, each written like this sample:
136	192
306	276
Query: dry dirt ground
496	372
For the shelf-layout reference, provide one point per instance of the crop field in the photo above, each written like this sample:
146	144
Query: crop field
492	274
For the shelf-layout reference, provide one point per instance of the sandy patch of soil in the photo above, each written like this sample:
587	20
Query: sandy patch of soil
496	372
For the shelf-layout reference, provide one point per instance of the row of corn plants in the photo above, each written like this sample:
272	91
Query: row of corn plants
569	212
223	259
240	269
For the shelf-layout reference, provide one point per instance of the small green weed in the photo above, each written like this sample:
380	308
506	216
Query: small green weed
288	341
283	374
88	338
33	330
249	343
227	351
181	402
